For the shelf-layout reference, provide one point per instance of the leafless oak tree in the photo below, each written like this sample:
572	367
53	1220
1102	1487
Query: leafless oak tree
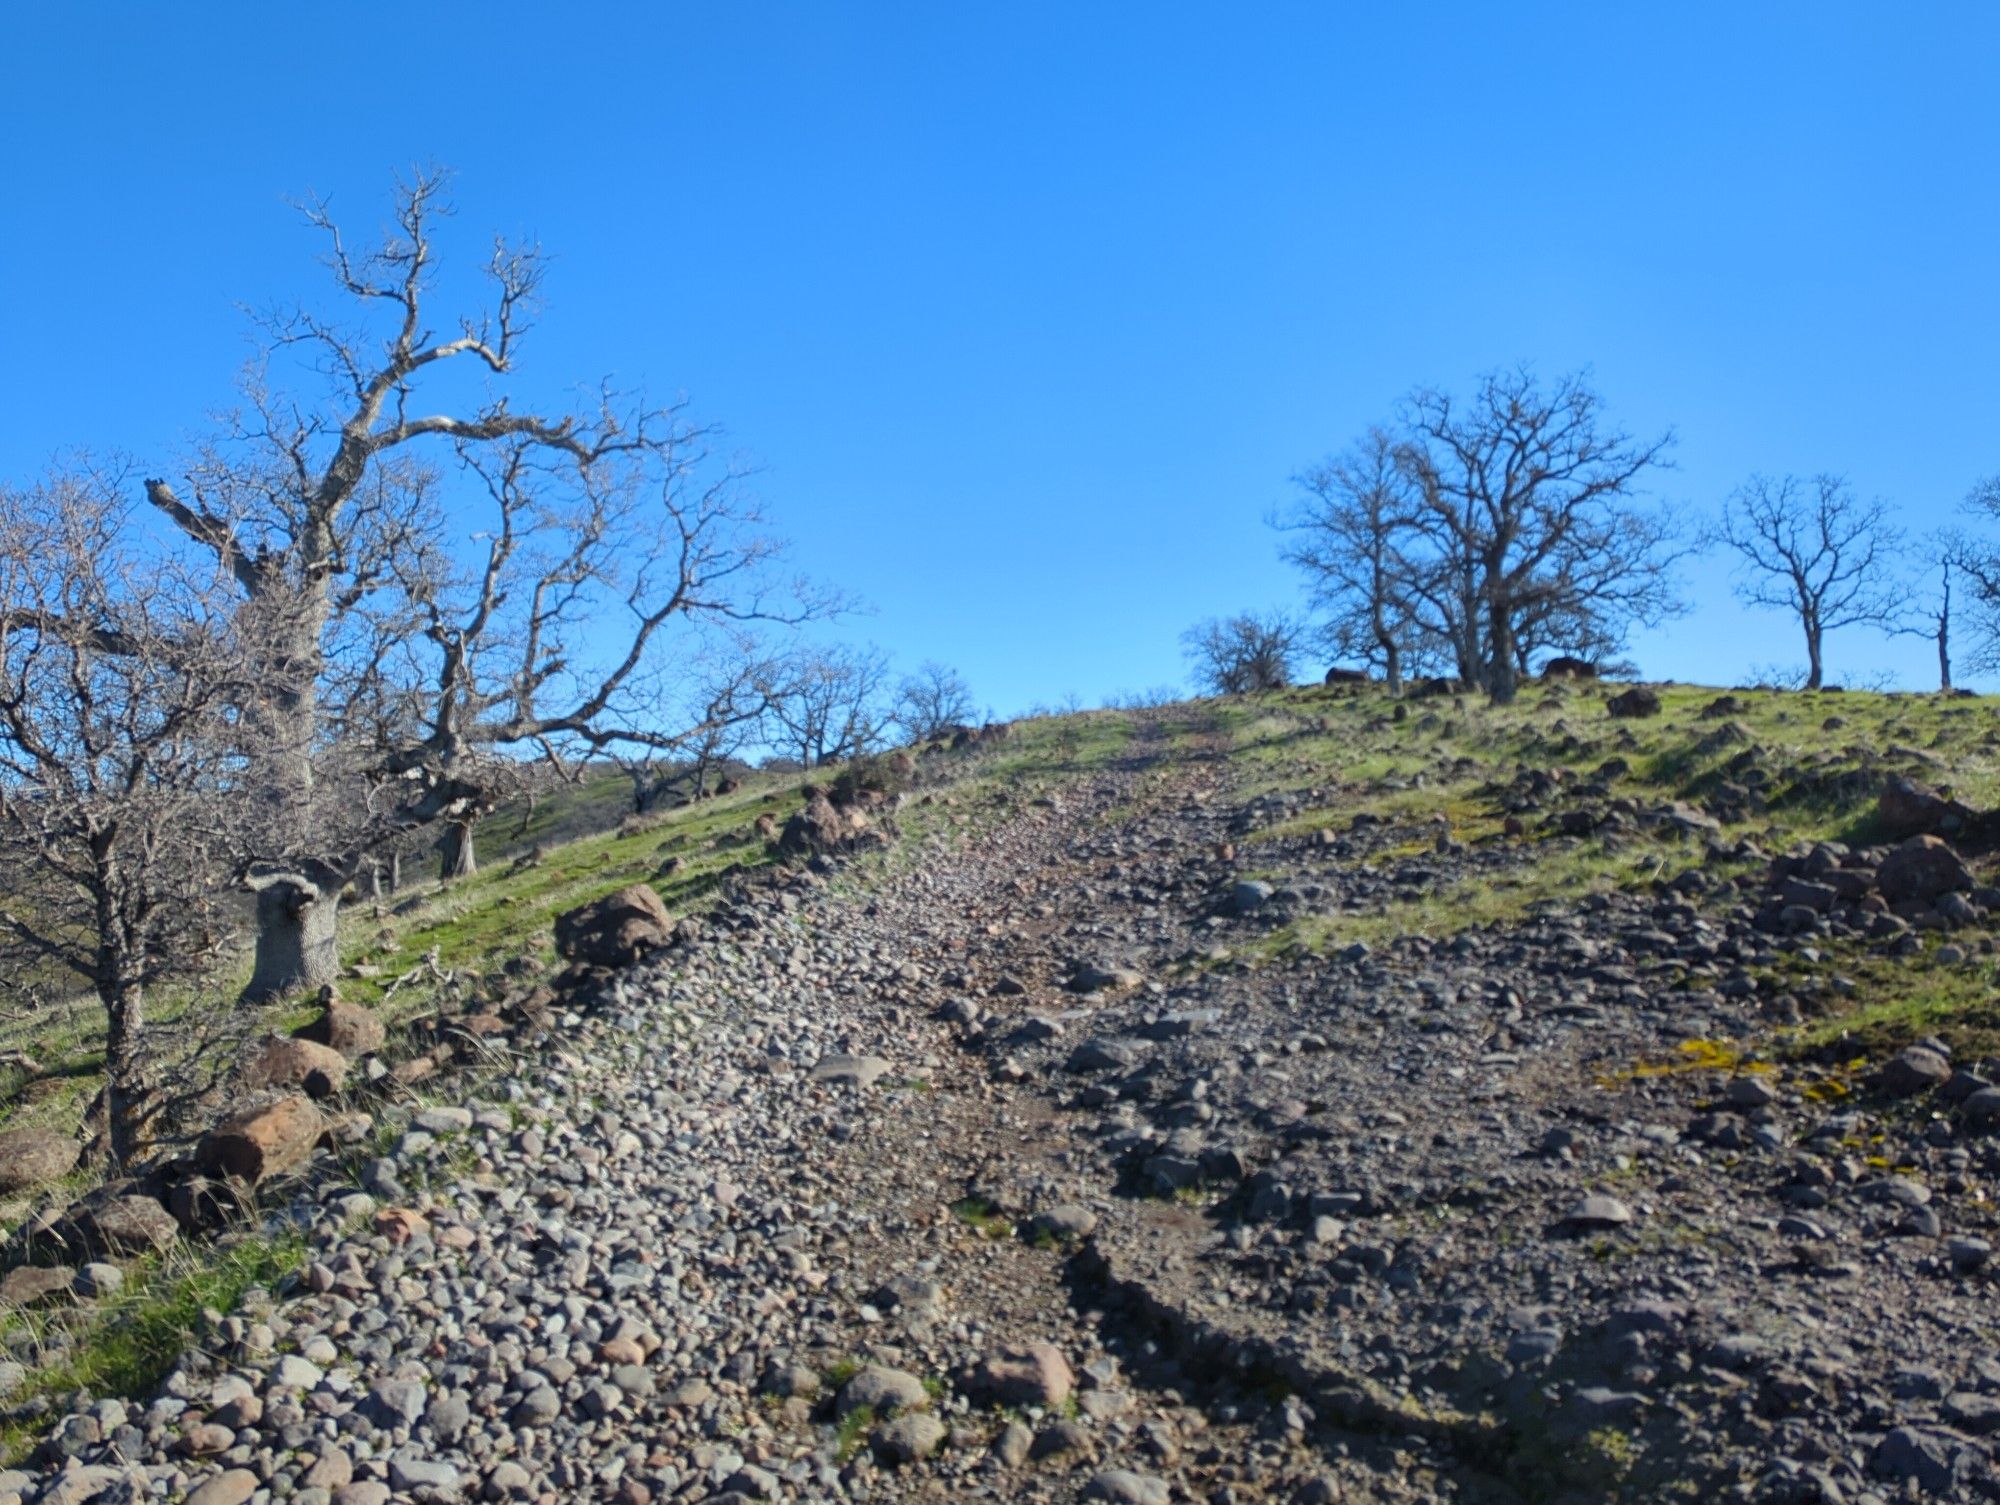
826	704
1242	654
1530	511
931	702
436	593
121	678
1809	546
1349	536
1970	551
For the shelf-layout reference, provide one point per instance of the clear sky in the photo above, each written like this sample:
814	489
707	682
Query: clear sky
1029	311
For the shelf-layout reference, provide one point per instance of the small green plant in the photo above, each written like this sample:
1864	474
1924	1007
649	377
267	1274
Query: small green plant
982	1217
852	1431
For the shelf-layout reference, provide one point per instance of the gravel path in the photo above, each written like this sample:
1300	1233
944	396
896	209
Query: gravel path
992	1174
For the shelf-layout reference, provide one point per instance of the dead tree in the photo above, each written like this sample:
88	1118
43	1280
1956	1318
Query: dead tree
930	702
1812	548
1530	509
1243	654
1349	538
435	592
826	704
121	673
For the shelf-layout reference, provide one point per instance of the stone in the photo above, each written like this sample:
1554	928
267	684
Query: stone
231	1488
1922	868
815	830
908	1438
1640	700
349	1028
1595	1214
1012	1445
31	1158
1032	1374
615	931
849	1071
882	1390
98	1279
287	1062
119	1222
25	1285
1250	896
266	1139
1123	1487
1914	1070
1908	808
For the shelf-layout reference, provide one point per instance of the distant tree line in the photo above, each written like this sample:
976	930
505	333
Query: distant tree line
1480	537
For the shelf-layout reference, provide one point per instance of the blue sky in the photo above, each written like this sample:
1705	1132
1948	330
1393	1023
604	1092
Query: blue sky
1029	311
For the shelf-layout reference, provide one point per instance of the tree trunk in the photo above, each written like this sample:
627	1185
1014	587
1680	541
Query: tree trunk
124	1069
297	941
457	857
395	871
1944	653
1812	659
1392	665
1500	658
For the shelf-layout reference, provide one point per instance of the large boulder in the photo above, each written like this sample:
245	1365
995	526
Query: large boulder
346	1027
617	930
118	1219
35	1157
1908	808
821	827
1922	868
277	1061
265	1139
1640	700
1567	666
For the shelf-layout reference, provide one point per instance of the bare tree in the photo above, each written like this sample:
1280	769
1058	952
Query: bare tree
826	703
1348	538
931	702
1812	548
435	593
1245	653
120	677
1972	552
1927	613
716	711
1530	509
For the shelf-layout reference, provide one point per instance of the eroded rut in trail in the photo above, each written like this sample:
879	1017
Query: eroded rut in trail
1000	1173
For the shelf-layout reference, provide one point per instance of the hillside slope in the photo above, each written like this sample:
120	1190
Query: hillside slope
1302	1098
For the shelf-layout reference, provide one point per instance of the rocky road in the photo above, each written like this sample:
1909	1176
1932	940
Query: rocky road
997	1170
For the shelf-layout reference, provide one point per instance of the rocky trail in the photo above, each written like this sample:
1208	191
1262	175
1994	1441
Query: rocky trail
1010	1168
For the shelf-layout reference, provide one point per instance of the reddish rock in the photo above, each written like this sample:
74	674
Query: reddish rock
1921	869
24	1285
1908	808
617	930
347	1028
35	1157
278	1062
265	1139
1635	702
113	1221
1035	1374
401	1224
819	827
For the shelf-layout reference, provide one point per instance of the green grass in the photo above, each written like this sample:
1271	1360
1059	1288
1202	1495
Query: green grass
1896	1000
852	1432
982	1217
127	1344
